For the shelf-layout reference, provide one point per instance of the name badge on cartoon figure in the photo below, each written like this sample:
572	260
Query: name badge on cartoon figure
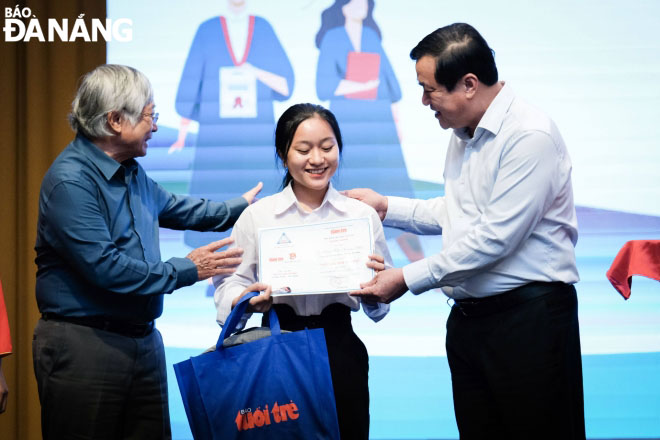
238	93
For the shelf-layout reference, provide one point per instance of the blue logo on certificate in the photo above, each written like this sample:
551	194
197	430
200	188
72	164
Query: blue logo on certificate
283	239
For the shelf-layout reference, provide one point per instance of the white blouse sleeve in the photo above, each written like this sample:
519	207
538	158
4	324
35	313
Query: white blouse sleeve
378	311
231	286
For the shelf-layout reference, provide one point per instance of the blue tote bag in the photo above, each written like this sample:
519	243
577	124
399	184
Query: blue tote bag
277	387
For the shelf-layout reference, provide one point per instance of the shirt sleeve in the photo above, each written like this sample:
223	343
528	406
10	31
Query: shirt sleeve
182	212
230	287
77	229
527	182
377	311
421	217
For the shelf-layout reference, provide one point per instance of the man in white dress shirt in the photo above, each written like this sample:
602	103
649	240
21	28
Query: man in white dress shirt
509	230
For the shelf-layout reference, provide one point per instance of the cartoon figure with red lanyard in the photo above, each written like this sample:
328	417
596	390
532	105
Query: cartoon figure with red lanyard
236	68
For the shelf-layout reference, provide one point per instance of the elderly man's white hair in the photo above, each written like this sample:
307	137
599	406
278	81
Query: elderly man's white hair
110	87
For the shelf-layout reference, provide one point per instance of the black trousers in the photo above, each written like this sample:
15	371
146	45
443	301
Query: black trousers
95	384
516	365
349	364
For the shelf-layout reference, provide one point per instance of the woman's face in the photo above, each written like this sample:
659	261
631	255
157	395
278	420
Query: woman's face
313	156
356	10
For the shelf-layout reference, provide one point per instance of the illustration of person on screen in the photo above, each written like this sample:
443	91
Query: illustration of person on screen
356	76
309	144
236	68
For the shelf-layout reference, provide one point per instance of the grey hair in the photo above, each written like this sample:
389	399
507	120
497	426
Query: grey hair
109	87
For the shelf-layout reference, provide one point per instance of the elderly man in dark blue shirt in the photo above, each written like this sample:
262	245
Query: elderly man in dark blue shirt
98	359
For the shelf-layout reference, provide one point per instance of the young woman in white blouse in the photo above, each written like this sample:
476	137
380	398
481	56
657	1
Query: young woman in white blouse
308	142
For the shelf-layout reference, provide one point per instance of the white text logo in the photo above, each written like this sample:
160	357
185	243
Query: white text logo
22	25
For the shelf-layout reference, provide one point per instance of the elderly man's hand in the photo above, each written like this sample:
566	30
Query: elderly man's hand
251	195
210	263
385	287
371	198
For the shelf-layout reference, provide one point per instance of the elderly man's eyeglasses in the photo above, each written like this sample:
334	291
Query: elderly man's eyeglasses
153	116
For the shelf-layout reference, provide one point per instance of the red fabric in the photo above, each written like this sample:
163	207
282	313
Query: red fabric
636	257
5	338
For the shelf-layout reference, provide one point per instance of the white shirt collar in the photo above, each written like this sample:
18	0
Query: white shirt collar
286	198
493	118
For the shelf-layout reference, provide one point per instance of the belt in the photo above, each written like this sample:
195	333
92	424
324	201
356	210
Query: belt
125	328
506	300
333	316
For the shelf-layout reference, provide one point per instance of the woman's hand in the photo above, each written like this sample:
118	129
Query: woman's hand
376	262
259	304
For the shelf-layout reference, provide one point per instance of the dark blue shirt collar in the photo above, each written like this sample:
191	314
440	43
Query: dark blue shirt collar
97	157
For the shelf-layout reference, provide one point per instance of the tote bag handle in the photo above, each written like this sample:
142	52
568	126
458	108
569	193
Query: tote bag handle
235	317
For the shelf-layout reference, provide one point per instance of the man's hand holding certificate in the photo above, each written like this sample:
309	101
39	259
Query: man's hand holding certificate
316	258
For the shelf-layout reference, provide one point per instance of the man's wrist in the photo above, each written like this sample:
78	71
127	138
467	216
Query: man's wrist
398	211
417	276
185	271
385	208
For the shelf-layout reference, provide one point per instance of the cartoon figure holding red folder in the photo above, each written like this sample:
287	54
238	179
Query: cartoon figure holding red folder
236	68
356	76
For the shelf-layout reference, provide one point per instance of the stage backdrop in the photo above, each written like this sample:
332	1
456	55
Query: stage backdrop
592	65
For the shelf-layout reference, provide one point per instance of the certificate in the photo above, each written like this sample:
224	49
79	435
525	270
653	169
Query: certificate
316	258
